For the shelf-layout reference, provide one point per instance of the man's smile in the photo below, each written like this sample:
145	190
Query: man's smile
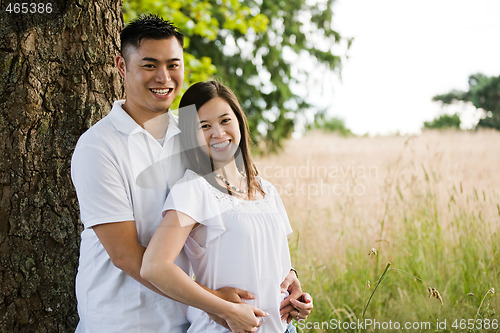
161	91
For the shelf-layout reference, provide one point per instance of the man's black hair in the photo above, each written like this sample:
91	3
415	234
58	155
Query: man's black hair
148	27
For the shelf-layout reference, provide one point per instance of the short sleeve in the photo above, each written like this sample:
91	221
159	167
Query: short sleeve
281	208
101	191
191	195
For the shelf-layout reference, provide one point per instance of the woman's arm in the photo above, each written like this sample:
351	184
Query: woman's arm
159	268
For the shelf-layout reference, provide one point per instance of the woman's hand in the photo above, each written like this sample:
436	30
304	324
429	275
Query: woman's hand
297	309
230	294
302	307
242	317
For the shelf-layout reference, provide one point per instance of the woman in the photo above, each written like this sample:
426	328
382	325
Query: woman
232	223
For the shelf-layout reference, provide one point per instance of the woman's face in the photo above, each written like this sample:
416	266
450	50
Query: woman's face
219	135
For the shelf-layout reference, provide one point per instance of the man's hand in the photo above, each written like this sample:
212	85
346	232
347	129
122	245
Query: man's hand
291	285
234	295
297	305
230	294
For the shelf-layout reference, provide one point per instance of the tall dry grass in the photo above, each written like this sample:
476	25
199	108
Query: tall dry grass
429	204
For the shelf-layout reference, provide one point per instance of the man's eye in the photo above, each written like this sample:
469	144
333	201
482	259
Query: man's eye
149	66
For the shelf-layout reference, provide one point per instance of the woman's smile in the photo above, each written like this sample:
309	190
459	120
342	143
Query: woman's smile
220	146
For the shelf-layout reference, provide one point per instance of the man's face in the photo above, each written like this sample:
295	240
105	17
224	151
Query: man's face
153	75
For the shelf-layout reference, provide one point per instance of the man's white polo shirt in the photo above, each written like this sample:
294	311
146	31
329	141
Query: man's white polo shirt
109	167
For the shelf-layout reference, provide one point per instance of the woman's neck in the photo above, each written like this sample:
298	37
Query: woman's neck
233	179
229	171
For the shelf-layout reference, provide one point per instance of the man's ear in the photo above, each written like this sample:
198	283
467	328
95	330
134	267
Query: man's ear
121	65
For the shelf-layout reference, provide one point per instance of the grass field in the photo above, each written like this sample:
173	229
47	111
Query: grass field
429	205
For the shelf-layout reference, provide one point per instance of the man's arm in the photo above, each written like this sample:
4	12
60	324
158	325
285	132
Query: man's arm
120	240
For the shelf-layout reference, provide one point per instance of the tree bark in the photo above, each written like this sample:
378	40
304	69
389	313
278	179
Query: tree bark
57	78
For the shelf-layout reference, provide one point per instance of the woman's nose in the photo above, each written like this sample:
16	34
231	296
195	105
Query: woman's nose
218	131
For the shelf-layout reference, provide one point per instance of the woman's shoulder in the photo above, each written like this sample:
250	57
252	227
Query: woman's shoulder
190	178
267	186
190	174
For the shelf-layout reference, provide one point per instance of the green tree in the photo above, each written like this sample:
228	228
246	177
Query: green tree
443	122
483	93
251	46
58	77
330	125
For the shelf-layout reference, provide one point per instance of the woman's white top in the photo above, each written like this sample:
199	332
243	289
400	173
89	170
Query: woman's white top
239	243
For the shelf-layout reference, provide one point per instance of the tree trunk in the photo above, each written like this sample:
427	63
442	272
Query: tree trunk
57	78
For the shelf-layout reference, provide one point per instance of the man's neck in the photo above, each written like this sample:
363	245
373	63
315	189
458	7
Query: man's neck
156	125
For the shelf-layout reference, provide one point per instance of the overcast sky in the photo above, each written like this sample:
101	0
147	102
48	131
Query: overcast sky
404	53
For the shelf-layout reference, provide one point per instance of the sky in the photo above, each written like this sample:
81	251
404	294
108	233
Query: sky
404	53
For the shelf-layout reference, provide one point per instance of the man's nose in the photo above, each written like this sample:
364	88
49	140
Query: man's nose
163	75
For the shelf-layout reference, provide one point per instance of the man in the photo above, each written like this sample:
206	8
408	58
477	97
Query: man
120	215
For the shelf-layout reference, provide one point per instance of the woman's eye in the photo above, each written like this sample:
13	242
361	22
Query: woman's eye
205	126
226	120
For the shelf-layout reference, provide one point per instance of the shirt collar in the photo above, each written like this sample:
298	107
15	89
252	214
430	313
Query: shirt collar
121	119
173	126
125	124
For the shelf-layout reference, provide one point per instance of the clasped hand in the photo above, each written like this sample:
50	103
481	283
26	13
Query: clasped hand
246	318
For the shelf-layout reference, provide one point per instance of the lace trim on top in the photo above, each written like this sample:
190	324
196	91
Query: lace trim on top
233	203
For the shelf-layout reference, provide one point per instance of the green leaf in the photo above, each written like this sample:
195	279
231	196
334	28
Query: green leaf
242	44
